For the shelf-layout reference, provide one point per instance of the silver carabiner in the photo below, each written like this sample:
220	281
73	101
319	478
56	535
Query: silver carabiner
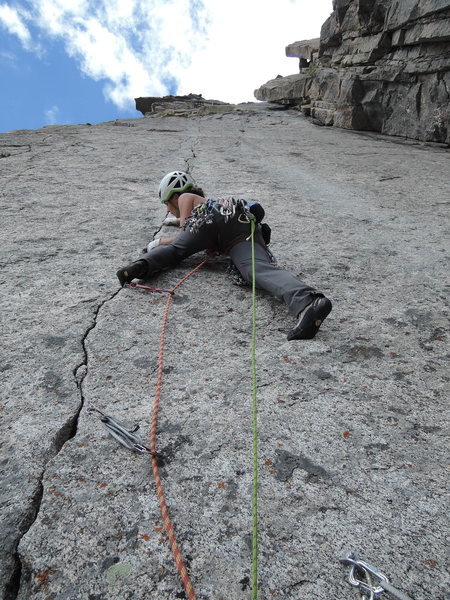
352	559
368	571
121	434
227	208
367	585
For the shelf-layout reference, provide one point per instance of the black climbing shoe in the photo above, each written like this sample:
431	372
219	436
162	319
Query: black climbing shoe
310	319
127	274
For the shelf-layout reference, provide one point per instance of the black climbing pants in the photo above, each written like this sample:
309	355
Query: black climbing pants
278	282
230	237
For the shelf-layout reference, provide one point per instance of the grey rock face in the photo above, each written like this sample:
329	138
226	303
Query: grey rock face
383	66
150	104
287	90
351	424
306	51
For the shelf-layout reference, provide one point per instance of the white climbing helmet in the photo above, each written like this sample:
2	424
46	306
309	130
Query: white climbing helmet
175	182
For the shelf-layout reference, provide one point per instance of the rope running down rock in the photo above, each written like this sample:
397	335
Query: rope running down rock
159	488
190	594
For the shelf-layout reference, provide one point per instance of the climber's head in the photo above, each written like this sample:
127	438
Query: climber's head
175	182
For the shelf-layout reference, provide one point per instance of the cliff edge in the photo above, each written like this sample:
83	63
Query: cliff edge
379	66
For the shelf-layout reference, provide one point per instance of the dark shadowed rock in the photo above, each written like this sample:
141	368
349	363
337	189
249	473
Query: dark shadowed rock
382	66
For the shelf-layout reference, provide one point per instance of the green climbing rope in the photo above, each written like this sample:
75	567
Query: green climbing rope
255	430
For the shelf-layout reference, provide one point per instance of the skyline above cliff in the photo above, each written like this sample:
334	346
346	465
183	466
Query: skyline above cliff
71	62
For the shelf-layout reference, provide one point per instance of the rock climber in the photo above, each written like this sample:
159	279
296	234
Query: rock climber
224	226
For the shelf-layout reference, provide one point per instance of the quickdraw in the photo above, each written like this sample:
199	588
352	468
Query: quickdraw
126	437
370	581
226	207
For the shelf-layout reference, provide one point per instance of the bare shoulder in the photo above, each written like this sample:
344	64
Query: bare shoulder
186	203
191	200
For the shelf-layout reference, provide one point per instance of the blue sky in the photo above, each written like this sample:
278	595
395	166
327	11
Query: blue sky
79	61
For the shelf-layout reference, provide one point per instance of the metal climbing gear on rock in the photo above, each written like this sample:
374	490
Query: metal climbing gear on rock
126	437
370	581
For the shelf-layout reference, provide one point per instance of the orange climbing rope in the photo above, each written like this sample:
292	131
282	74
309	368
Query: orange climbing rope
159	488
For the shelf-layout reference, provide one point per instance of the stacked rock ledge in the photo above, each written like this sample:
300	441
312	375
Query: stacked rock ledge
380	66
190	104
193	105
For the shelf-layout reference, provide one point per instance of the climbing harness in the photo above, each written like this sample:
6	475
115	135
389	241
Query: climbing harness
201	215
227	208
124	436
370	581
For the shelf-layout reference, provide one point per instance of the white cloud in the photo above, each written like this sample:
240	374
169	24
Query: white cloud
8	58
136	46
51	115
223	50
105	54
11	19
247	42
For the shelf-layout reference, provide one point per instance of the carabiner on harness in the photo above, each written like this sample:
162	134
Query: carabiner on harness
121	434
226	207
200	216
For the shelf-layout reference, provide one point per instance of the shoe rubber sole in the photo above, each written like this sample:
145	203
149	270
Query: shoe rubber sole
311	321
130	272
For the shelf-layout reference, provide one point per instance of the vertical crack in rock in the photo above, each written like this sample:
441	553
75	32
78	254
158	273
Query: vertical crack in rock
64	434
13	585
189	167
442	78
80	372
